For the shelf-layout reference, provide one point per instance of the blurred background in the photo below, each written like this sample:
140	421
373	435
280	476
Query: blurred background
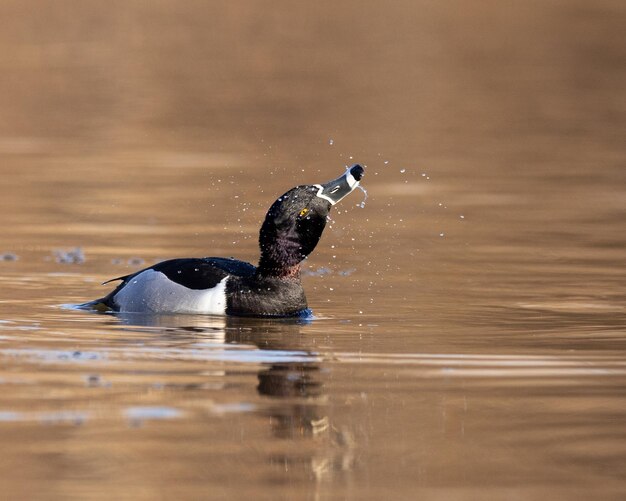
471	312
134	118
420	83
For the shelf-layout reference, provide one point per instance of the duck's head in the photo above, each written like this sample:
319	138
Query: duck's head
295	222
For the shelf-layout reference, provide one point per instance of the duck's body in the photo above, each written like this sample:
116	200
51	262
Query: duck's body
226	286
211	285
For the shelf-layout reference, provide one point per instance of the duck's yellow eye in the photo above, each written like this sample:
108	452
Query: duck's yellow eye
303	212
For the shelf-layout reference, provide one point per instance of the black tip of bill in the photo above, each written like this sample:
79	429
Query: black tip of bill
335	190
357	171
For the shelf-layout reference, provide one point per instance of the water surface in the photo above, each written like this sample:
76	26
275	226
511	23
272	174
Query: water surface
470	337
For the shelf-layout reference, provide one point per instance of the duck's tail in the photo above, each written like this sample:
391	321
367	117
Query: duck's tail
99	305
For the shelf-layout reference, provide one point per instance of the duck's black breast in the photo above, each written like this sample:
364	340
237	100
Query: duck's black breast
265	297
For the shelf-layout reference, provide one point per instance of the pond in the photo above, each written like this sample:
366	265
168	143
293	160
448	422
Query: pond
469	338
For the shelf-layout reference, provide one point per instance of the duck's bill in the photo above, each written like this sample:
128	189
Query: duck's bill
335	190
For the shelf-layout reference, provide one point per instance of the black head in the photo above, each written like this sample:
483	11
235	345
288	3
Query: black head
294	223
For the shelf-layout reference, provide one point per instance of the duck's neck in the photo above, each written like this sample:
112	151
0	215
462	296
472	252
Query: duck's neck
265	270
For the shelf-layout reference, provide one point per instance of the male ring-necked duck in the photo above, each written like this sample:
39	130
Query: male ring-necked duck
225	286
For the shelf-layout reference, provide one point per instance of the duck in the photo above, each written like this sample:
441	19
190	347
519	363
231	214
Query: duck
222	286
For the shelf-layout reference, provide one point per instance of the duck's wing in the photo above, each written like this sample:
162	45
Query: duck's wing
202	273
123	278
192	273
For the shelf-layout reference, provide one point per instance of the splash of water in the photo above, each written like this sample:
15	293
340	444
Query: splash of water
362	204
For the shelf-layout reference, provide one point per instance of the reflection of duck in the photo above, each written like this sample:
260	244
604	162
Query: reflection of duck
290	380
300	383
302	414
271	339
291	230
296	406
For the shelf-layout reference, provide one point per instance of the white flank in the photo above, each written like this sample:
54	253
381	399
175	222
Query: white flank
152	292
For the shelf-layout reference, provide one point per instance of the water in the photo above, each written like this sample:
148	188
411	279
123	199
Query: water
362	202
485	364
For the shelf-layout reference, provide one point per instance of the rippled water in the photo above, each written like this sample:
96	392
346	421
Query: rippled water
470	330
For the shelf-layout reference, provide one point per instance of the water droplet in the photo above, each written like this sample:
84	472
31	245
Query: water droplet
386	162
402	171
331	141
462	216
441	234
362	204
